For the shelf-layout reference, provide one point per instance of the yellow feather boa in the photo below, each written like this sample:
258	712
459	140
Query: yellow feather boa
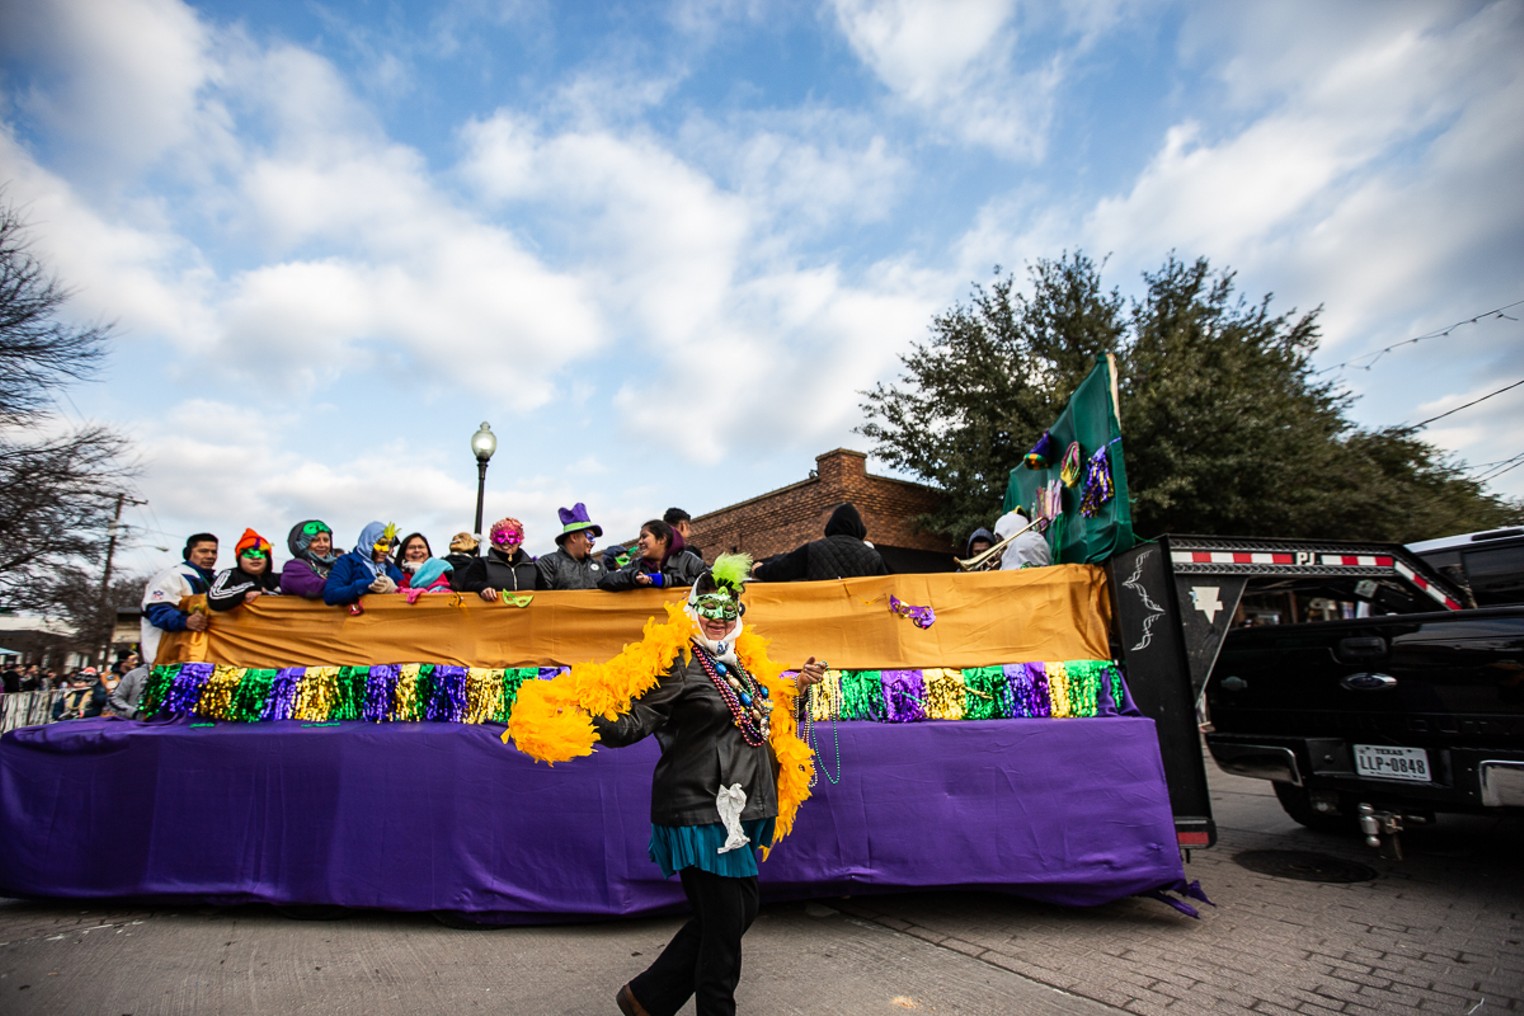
551	719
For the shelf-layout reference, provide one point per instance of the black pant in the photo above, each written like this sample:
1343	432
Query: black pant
704	957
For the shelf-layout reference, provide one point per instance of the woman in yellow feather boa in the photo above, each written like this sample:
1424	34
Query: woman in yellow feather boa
731	777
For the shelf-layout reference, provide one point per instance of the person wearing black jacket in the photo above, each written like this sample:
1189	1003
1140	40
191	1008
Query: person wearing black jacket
571	564
462	553
505	569
714	797
660	564
682	524
253	576
841	554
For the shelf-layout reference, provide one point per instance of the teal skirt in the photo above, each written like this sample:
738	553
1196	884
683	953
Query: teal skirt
679	847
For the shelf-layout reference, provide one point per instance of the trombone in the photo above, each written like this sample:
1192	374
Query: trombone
989	559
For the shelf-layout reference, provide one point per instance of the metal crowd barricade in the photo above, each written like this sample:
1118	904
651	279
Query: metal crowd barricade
28	708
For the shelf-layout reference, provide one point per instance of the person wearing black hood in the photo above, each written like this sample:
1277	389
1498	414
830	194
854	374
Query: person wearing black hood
841	554
978	542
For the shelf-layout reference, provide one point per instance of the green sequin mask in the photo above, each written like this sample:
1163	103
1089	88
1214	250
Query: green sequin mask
717	607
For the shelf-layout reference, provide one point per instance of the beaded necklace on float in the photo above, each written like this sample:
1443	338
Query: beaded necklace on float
742	694
811	735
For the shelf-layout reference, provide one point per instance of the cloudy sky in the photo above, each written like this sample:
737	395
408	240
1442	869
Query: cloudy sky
661	247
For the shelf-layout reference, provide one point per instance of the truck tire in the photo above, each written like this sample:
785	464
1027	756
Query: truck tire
1296	804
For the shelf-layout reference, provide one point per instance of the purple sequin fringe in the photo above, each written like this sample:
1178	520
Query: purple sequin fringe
448	702
904	691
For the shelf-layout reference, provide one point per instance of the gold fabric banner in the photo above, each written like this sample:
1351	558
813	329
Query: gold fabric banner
1057	613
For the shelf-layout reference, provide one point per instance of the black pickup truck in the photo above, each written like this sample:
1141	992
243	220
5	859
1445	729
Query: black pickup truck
1384	711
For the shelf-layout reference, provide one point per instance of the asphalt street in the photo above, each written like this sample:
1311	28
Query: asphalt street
1438	932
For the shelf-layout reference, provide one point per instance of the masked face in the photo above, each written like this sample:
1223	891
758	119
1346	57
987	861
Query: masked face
254	561
717	607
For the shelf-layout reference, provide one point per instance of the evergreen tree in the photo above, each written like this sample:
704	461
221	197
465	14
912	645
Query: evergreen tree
1226	428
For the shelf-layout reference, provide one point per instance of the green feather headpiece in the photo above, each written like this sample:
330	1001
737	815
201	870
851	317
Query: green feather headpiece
731	571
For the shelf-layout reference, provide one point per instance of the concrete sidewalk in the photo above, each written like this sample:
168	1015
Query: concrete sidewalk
801	959
1437	933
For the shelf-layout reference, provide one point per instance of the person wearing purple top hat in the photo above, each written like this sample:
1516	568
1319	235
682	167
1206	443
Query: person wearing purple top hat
572	565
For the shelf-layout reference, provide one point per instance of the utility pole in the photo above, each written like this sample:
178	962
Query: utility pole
108	617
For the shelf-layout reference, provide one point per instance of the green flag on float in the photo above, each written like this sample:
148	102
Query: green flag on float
1075	479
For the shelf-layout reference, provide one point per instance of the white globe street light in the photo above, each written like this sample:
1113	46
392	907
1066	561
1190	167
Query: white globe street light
483	444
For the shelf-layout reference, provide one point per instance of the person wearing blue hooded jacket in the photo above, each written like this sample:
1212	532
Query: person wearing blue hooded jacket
366	569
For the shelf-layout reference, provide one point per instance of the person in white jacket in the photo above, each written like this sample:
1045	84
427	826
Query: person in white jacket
162	595
1029	550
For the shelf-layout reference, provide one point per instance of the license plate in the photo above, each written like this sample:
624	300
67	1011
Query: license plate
1392	763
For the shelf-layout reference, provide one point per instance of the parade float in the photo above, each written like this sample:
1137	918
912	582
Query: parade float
977	730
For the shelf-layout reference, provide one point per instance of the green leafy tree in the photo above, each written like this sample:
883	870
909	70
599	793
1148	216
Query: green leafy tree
993	375
1226	427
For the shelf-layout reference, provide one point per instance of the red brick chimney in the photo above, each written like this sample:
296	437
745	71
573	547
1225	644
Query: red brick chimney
840	468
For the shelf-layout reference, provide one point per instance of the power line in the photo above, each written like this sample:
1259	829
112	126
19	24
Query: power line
1500	472
1457	409
1496	469
1472	467
1354	361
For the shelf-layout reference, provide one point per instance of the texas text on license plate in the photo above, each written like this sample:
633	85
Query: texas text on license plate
1392	763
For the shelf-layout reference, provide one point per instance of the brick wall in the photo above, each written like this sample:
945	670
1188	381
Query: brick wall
782	519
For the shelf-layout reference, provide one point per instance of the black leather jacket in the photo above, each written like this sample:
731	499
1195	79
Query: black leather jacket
701	750
559	570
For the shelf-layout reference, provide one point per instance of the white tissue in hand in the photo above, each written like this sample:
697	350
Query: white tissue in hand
731	801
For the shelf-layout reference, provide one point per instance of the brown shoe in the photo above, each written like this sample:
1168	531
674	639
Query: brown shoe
628	1004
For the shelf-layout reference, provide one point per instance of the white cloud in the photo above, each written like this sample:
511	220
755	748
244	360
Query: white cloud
1363	159
656	238
955	64
142	279
789	362
222	466
385	259
1379	172
1339	113
804	172
132	73
924	52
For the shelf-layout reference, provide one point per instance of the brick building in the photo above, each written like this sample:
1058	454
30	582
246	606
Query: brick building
782	519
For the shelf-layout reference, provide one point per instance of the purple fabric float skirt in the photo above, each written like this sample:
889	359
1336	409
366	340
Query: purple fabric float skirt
438	816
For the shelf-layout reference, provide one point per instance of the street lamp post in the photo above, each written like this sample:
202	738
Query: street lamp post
483	444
